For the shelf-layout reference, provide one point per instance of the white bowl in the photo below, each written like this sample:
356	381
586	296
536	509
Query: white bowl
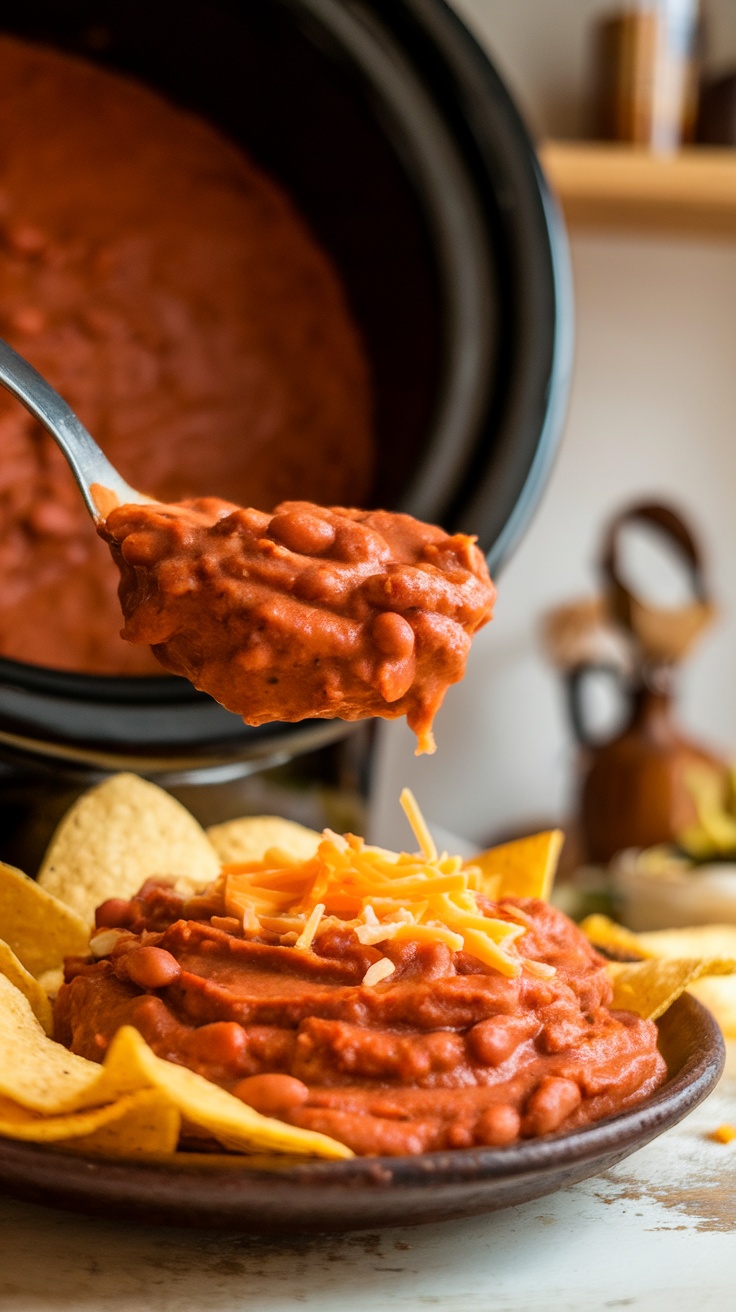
675	895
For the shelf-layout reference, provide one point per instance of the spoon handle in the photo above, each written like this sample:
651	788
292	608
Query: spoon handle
90	467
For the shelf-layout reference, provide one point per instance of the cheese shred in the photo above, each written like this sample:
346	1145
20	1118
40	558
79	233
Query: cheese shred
540	969
382	896
378	971
306	937
418	824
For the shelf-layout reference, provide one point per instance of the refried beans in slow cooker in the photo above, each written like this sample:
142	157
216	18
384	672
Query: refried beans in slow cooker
170	291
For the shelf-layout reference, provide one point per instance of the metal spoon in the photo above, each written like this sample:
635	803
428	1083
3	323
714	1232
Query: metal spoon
101	485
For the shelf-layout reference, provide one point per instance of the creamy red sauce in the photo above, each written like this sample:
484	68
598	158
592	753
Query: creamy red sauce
446	1053
305	612
172	294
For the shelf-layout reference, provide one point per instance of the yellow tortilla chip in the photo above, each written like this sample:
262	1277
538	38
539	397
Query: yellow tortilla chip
650	987
35	1072
16	972
523	868
42	1076
51	981
699	942
116	836
139	1125
695	941
37	927
605	933
719	996
251	837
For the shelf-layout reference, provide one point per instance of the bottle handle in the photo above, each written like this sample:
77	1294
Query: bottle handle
664	635
576	682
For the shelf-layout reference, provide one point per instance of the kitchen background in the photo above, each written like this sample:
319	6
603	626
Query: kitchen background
652	413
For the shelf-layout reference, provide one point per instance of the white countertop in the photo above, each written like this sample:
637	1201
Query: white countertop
655	1234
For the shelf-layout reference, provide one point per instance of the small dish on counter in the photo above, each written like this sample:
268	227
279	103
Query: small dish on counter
660	889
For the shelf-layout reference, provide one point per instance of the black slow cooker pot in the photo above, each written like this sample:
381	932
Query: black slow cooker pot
401	147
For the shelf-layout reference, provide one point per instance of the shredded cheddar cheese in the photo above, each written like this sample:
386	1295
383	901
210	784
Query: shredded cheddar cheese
724	1133
370	934
540	968
418	824
382	896
306	937
378	971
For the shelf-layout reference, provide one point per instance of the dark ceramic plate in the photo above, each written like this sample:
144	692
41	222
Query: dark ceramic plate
370	1192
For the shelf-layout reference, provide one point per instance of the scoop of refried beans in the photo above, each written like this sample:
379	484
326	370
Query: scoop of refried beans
306	612
446	1053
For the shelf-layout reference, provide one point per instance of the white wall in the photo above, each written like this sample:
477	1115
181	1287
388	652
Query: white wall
652	412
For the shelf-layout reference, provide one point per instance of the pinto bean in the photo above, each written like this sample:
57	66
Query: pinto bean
220	1045
393	635
272	1095
492	1041
115	913
550	1104
305	534
151	968
460	1134
498	1126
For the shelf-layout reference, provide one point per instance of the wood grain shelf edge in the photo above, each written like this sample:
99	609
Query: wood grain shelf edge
616	187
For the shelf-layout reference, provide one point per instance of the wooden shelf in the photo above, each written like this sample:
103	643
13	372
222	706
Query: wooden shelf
612	187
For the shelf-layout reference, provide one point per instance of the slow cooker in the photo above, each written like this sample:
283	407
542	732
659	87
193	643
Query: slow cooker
401	147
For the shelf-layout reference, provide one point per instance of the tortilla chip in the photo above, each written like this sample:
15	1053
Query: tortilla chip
116	836
249	838
16	972
700	942
138	1125
524	868
605	933
695	941
38	928
706	941
650	987
51	981
719	996
35	1072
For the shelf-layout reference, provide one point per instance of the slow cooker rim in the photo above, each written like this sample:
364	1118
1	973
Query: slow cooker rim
454	213
213	761
113	689
536	207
